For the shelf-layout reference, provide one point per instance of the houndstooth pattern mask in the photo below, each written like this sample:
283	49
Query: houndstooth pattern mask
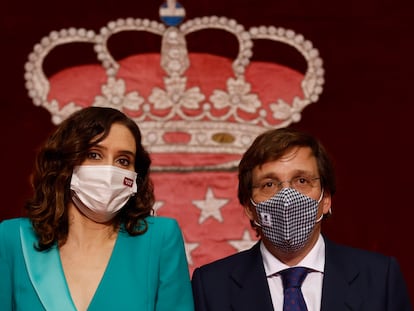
287	218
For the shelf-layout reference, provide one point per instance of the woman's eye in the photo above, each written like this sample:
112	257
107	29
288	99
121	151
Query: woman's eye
124	162
94	156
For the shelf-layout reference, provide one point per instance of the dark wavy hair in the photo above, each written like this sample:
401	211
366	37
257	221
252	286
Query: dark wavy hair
272	145
64	149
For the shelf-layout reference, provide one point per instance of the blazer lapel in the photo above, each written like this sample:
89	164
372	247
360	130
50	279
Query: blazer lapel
251	290
338	275
45	272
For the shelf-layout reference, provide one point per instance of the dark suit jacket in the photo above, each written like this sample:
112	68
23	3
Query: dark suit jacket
354	279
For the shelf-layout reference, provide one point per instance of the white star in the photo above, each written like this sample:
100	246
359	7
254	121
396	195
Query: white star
210	207
189	247
245	243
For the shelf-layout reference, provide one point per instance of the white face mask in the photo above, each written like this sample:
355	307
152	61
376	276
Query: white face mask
288	218
100	191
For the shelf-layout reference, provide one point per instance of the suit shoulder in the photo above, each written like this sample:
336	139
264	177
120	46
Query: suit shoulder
13	224
162	222
10	233
232	260
345	253
163	227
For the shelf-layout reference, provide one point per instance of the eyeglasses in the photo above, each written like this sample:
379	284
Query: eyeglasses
269	187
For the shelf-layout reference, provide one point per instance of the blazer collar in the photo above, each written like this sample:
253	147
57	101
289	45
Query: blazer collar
45	272
251	290
338	276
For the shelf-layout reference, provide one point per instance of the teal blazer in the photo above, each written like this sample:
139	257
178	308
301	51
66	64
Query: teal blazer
145	272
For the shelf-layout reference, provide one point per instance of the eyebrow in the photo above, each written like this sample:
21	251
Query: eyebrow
128	152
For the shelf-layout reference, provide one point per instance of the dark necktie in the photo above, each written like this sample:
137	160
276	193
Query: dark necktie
292	279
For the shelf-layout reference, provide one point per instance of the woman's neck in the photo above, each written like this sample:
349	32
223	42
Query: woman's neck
86	233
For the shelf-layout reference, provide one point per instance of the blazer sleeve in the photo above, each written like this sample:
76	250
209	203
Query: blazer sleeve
5	272
398	296
198	291
174	292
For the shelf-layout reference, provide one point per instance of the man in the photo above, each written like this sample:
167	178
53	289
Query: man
286	184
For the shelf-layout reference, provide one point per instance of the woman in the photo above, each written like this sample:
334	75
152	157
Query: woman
89	241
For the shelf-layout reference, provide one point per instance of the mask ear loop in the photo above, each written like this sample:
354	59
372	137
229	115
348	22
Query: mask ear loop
323	215
319	219
320	198
254	221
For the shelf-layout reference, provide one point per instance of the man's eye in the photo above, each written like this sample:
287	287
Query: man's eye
269	184
303	180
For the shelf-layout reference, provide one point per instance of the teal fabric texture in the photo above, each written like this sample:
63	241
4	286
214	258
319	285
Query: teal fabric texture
145	272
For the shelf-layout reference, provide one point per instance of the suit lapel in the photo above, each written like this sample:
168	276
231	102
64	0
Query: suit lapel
45	272
337	293
251	290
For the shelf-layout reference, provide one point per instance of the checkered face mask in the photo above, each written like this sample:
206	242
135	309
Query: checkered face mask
287	218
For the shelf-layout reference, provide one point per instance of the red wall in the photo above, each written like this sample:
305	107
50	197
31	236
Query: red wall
363	116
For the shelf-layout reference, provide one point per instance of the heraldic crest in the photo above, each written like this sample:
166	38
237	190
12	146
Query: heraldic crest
198	111
184	106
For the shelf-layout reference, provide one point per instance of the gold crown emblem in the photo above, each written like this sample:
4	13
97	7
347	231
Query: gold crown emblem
185	106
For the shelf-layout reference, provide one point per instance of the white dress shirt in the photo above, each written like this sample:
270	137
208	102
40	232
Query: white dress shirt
311	286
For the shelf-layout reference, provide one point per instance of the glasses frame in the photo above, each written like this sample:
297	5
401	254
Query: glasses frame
279	186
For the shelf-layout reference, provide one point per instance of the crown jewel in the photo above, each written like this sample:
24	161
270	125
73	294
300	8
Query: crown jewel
186	110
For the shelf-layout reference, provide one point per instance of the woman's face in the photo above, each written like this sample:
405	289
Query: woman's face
117	149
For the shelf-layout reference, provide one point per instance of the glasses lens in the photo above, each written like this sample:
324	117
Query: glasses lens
269	188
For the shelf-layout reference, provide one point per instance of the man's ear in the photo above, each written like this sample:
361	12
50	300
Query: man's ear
326	203
248	210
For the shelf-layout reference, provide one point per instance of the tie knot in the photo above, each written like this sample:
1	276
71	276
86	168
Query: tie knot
293	277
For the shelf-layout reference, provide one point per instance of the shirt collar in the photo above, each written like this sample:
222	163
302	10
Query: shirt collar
314	260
